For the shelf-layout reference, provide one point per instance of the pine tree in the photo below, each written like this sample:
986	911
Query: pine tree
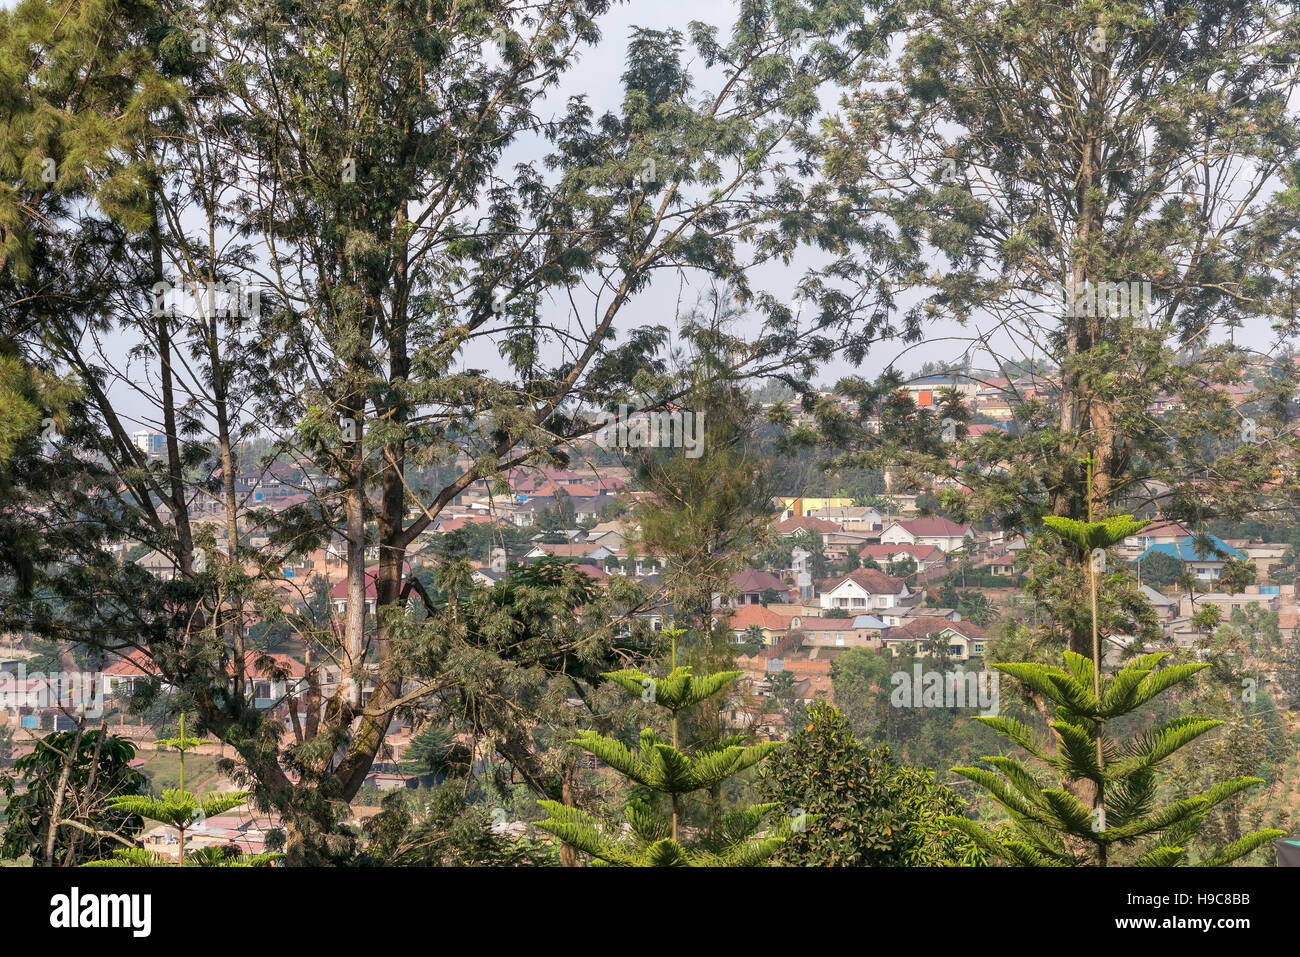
184	811
1053	826
666	768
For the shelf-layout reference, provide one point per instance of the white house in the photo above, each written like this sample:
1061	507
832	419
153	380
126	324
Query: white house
850	518
592	551
864	590
962	640
942	533
269	677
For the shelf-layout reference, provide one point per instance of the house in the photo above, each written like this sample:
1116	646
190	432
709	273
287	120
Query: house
760	668
273	677
805	523
269	677
638	564
926	391
852	518
158	565
863	591
274	482
486	577
1227	604
339	593
772	625
1157	533
1166	608
871	629
24	692
593	508
613	535
445	524
1265	555
1203	555
1000	562
884	555
122	675
902	614
750	585
962	640
594	572
586	551
838	546
861	631
794	507
525	513
944	534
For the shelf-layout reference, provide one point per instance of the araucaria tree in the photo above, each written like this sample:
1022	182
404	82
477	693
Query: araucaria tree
1118	821
1099	200
179	809
674	771
1051	826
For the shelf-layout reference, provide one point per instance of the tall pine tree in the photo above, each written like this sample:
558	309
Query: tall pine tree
668	768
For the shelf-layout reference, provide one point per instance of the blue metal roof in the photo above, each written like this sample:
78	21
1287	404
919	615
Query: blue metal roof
1186	551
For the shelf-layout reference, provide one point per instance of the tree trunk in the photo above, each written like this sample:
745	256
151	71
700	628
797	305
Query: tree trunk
569	798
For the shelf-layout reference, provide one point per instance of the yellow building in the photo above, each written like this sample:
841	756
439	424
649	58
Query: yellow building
797	507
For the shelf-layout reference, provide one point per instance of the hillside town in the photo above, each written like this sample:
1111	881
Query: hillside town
495	435
847	575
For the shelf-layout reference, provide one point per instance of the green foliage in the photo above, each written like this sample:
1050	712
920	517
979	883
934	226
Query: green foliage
868	811
440	828
434	750
100	771
1052	825
177	807
178	166
679	690
1088	536
1160	570
201	857
739	840
662	767
925	737
710	507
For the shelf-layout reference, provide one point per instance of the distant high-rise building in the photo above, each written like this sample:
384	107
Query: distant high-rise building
149	441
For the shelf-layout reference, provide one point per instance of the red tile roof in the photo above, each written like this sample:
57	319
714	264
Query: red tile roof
923	553
805	523
747	615
875	582
926	625
140	664
934	525
372	575
749	580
